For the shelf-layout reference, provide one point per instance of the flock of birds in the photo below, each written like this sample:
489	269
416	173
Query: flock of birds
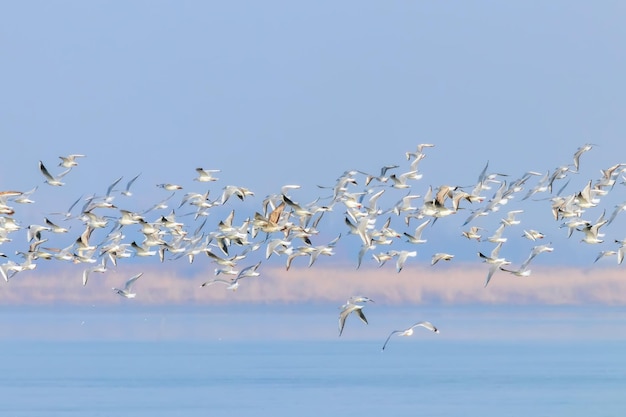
284	228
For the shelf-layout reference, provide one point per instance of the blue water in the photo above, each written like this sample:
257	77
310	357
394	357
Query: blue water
423	375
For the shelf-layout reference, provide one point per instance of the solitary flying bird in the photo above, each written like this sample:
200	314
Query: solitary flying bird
408	332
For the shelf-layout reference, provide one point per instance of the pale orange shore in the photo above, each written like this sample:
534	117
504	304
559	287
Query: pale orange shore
449	284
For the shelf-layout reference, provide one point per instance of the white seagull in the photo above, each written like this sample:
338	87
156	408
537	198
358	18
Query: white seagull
101	268
56	181
126	191
441	256
345	312
533	235
69	161
584	148
472	233
408	332
494	261
206	175
416	237
403	255
170	187
126	291
233	284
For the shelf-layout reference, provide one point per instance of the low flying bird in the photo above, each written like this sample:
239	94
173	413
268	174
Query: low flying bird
128	286
345	312
352	306
408	332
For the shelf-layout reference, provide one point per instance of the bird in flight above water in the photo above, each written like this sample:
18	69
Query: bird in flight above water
127	290
408	332
351	306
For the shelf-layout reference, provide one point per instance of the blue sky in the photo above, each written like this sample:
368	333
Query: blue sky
275	93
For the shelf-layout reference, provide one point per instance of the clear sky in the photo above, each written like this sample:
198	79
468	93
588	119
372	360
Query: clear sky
274	93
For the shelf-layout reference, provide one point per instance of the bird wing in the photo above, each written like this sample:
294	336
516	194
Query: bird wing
274	216
85	276
110	188
343	315
427	325
389	337
131	281
419	229
62	174
45	171
248	271
361	315
129	183
492	269
345	312
496	251
217	280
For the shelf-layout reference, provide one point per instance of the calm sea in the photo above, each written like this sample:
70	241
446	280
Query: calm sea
161	372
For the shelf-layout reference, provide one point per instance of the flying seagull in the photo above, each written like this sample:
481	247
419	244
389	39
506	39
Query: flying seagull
408	332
